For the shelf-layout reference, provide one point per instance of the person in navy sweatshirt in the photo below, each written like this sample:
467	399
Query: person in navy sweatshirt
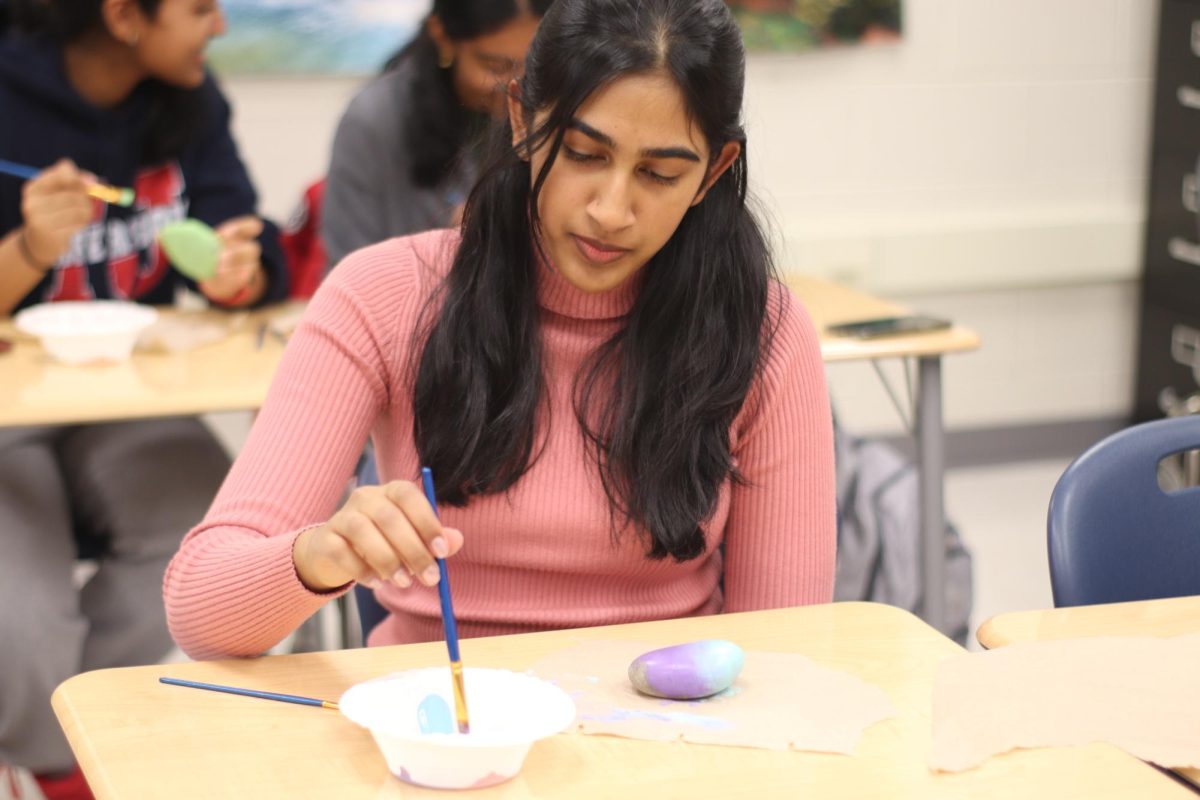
114	91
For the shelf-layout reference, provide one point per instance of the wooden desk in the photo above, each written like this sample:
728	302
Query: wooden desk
229	375
136	738
830	304
1169	617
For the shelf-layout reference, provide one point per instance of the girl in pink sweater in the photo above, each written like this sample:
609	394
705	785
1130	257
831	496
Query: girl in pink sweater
625	414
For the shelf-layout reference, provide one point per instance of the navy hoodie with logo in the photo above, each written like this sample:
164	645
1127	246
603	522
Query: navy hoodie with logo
43	119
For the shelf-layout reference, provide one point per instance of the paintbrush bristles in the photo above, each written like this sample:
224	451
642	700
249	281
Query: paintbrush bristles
460	698
112	194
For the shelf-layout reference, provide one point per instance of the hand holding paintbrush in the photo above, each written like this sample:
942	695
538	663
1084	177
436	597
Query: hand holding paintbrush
381	535
113	195
387	534
55	205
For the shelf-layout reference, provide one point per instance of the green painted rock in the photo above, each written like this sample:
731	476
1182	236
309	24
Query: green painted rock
192	247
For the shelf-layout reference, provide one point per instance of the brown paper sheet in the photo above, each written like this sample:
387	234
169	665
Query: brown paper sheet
187	331
1141	694
780	701
284	322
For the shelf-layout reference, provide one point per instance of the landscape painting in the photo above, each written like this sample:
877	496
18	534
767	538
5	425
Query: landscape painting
356	37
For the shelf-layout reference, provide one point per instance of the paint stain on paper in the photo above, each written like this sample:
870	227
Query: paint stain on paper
669	717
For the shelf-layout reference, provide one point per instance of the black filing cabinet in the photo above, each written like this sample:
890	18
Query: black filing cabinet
1169	344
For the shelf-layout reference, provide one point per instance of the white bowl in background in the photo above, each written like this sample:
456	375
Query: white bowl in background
86	331
508	712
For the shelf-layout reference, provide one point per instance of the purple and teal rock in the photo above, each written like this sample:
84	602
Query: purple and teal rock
688	671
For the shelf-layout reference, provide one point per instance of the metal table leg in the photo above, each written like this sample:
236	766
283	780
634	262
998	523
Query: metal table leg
931	463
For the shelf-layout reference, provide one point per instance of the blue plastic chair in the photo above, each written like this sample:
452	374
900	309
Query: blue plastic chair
1114	534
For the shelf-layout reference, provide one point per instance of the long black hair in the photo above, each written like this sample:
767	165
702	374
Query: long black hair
655	403
173	113
439	127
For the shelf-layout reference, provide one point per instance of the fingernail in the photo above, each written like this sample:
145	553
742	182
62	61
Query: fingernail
431	575
439	547
402	578
372	583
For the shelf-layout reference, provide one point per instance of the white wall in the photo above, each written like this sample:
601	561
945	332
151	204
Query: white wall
284	127
991	166
1049	354
1000	143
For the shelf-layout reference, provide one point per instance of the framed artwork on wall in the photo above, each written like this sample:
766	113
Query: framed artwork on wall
306	37
356	37
789	25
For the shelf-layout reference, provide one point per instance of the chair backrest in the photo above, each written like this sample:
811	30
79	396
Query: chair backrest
1114	534
302	245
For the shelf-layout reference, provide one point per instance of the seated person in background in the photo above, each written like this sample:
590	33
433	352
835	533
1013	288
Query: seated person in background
407	149
403	157
111	90
600	369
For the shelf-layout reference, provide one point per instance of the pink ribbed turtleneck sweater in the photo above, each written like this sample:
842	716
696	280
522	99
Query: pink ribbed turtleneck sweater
540	556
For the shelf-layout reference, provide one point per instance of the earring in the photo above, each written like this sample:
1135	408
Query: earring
445	60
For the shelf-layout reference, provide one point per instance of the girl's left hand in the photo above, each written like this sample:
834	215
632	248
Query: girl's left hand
239	276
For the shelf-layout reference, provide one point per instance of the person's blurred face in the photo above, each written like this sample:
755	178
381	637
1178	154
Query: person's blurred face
170	45
632	163
483	66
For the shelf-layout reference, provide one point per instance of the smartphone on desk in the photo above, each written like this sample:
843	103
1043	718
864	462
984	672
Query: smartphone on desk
889	326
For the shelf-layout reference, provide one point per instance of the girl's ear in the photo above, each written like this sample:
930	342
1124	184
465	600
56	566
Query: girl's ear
729	154
516	118
124	20
444	44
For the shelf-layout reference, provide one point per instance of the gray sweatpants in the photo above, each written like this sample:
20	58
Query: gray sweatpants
140	486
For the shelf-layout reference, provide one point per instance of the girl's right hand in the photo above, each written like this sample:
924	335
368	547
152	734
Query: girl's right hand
55	206
382	533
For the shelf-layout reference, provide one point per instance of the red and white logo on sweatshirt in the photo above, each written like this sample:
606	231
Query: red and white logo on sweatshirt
127	246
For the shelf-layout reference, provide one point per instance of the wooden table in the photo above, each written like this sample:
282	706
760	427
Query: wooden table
136	738
1170	617
830	304
228	375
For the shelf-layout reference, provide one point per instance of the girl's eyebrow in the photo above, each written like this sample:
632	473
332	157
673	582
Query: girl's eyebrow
649	152
498	60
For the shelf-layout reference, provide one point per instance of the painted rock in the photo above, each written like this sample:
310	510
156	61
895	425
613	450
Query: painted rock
687	671
192	247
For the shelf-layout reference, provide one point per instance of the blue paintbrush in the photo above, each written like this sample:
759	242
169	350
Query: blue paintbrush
109	194
456	669
283	698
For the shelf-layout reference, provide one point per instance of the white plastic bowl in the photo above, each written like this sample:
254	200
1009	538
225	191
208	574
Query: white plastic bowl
508	711
81	332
